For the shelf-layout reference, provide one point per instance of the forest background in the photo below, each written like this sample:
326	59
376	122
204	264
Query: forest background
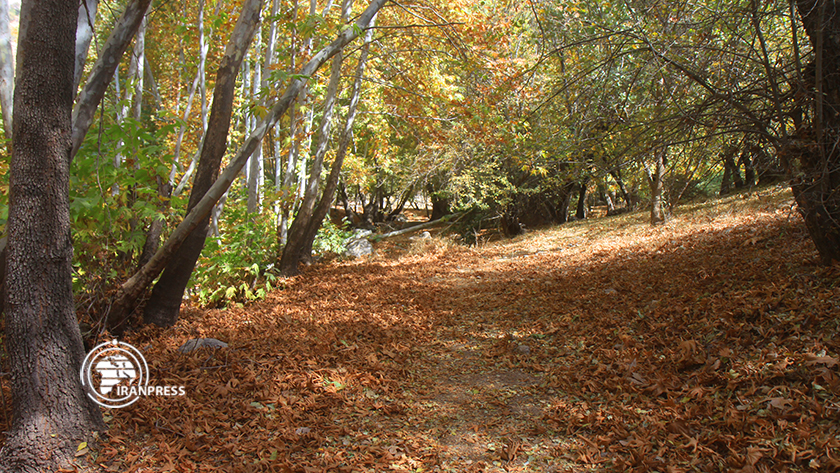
508	114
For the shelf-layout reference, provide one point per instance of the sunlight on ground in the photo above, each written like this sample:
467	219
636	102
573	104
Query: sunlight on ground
708	343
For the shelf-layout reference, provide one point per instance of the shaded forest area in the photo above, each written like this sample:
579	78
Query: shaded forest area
186	169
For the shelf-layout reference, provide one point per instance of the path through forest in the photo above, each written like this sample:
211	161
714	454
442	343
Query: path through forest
708	343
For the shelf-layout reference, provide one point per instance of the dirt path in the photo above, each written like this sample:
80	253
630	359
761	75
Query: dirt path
477	392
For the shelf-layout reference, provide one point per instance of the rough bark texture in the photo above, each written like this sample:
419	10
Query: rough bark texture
816	168
52	413
163	306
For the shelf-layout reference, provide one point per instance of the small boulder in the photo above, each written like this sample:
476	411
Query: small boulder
196	343
358	247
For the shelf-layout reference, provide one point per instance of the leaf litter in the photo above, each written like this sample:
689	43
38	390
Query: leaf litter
706	344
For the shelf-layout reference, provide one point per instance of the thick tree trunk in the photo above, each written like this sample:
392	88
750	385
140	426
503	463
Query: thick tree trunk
52	413
816	180
165	302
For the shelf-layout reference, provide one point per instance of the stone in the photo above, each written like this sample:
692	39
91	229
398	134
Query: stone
358	247
196	343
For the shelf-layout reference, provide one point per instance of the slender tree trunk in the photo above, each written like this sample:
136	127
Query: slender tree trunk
286	205
84	35
565	200
7	69
625	194
165	302
130	290
292	252
104	69
657	187
52	413
580	214
255	163
341	152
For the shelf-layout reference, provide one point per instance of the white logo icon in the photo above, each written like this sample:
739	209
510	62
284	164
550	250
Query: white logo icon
115	374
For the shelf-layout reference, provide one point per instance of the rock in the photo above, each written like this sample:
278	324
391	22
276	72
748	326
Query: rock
196	343
358	247
425	235
361	233
523	349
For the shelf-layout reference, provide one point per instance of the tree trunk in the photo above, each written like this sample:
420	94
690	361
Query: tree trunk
294	250
816	182
7	69
165	302
104	69
749	169
657	187
130	290
341	152
562	213
580	214
84	34
625	194
52	413
255	164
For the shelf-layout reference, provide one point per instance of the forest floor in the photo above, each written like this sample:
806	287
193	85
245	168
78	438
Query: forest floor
706	344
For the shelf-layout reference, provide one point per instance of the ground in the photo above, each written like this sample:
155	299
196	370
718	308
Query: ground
706	344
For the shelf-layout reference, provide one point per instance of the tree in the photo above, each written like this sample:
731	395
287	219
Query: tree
131	289
52	413
164	305
289	263
815	167
293	252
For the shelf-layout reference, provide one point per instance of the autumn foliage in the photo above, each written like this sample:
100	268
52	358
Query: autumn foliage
605	345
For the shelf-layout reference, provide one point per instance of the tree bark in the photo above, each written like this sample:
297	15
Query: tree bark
52	413
625	194
816	179
255	163
7	69
103	70
580	213
84	34
165	302
657	187
131	289
327	196
293	251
